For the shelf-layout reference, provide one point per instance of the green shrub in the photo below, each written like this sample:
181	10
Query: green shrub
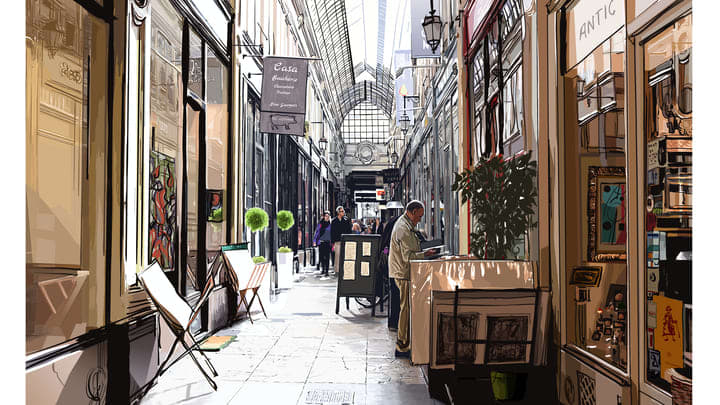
257	219
502	195
258	259
284	249
285	220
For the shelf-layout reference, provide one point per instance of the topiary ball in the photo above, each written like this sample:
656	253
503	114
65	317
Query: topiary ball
285	220
256	219
258	259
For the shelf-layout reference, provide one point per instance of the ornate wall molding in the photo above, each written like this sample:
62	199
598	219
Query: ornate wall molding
139	10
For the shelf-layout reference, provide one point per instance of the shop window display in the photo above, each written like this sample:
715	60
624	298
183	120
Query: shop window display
668	194
595	205
66	138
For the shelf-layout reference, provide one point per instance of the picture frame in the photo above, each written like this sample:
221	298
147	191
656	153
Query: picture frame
606	213
214	205
586	276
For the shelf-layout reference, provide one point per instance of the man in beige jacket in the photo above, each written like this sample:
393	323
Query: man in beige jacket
405	246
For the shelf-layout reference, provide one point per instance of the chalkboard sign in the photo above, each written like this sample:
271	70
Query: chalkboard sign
357	270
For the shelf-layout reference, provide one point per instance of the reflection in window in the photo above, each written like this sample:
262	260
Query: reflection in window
66	76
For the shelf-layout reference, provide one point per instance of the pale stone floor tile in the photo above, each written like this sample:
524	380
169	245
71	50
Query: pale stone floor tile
384	370
296	346
288	369
351	347
268	393
338	370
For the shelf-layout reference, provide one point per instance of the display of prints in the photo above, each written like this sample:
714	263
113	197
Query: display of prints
162	209
652	315
669	332
367	248
653	249
506	328
653	282
349	270
652	155
653	363
350	250
466	330
365	269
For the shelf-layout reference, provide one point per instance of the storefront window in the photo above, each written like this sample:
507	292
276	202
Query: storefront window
668	196
66	134
595	205
217	153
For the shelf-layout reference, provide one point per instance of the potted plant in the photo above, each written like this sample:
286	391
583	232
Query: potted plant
285	221
256	219
502	195
259	259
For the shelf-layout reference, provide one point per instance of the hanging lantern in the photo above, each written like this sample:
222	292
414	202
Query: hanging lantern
323	143
404	123
432	25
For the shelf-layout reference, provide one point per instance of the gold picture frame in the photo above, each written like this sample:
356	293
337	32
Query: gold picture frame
607	212
586	276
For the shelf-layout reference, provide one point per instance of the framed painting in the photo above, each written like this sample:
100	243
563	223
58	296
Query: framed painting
586	276
607	214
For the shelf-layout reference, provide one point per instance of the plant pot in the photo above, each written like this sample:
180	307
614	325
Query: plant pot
285	269
503	385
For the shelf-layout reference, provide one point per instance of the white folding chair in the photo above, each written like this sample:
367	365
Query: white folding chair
178	314
243	282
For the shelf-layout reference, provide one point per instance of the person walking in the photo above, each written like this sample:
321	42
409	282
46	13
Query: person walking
322	239
405	246
340	225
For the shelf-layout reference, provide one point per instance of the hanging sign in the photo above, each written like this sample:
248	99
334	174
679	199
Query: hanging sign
589	24
418	44
284	87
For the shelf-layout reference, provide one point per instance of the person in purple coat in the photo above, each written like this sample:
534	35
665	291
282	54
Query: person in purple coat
322	239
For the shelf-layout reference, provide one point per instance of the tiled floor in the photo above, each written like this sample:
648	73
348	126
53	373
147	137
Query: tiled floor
302	354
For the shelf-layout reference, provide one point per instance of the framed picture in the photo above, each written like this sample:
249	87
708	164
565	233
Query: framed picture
586	276
607	225
507	329
215	205
466	330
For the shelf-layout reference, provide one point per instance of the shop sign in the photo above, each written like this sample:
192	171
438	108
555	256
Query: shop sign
589	24
477	13
391	175
284	86
419	46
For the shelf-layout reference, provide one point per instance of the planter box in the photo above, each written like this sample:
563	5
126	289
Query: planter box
444	275
285	269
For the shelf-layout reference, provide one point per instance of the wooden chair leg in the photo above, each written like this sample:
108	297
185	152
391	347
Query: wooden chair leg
243	301
259	301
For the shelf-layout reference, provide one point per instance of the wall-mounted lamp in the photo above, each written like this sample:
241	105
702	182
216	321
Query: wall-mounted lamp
432	25
54	33
404	123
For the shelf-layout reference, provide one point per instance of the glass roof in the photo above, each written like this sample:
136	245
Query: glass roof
372	40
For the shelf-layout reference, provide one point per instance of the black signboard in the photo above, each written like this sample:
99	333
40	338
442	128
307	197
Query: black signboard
284	87
357	270
391	175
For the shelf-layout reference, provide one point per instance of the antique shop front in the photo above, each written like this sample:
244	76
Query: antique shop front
622	140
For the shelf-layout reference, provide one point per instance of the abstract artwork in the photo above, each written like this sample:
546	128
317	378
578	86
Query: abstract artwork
607	230
162	209
466	330
506	329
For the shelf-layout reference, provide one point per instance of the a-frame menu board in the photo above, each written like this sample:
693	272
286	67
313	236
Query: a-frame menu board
357	272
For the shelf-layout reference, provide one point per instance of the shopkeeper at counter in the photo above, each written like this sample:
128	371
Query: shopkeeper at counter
405	246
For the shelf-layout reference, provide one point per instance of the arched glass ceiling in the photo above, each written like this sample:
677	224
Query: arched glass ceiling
366	123
376	89
347	31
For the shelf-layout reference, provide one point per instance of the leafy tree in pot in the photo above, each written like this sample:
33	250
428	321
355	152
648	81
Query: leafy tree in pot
503	196
285	220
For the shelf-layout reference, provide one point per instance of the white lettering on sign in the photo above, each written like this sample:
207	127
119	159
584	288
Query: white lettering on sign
592	23
280	67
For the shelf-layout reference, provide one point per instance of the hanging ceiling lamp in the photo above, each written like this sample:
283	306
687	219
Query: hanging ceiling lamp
432	25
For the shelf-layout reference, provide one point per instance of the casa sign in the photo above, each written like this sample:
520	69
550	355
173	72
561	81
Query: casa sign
589	24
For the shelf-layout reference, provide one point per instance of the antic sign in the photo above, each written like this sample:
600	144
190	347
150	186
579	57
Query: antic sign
589	24
282	104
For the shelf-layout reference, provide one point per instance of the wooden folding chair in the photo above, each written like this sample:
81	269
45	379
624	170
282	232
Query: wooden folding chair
178	314
253	284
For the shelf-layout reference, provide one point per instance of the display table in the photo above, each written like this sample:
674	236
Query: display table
446	273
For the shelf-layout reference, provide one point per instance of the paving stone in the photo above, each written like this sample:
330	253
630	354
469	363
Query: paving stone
338	370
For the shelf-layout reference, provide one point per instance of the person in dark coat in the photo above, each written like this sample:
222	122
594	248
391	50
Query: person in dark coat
394	314
340	225
322	239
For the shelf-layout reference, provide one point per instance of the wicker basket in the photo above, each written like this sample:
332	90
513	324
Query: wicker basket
681	390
